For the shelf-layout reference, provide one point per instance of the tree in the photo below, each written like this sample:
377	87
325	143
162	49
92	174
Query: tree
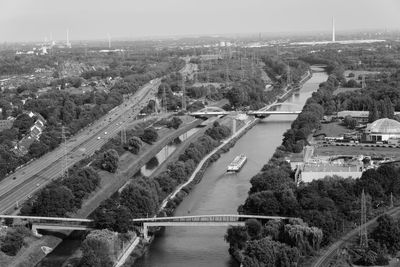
38	149
373	112
274	179
12	242
55	201
68	111
389	107
134	145
23	123
149	135
123	221
236	236
387	233
266	252
139	200
253	228
98	249
237	96
109	161
350	122
177	171
175	122
262	203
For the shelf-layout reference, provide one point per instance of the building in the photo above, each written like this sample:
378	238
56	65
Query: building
319	170
22	147
360	116
382	130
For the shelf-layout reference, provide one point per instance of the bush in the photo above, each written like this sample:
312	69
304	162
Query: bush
175	122
109	162
134	145
149	135
12	243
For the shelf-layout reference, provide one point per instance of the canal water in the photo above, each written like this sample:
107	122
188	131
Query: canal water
222	193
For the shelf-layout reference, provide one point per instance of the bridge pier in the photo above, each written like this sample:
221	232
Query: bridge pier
35	231
145	232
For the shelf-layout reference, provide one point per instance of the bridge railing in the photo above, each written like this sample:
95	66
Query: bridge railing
217	217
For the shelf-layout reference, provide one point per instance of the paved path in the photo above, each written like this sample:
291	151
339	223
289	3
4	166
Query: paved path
127	252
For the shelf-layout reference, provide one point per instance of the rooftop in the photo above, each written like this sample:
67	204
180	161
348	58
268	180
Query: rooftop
384	125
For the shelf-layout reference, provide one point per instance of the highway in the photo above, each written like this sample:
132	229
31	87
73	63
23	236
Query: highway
20	185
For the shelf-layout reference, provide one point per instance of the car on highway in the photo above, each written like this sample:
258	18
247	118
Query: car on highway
105	133
98	137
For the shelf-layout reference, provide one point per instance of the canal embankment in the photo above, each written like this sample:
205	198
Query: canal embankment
221	193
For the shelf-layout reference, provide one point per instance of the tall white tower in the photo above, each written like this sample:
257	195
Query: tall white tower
333	29
68	43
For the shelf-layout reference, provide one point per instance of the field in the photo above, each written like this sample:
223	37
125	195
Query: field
332	129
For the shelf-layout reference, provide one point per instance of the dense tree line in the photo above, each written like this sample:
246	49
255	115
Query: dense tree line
276	243
63	196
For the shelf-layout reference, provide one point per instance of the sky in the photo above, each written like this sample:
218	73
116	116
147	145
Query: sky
34	20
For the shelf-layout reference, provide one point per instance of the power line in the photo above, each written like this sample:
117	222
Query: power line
183	93
123	135
363	227
65	152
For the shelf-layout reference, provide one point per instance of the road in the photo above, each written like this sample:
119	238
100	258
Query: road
20	185
331	251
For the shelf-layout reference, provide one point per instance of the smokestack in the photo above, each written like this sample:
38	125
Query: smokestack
333	29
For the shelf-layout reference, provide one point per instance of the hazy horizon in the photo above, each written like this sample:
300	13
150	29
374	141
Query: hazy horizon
27	20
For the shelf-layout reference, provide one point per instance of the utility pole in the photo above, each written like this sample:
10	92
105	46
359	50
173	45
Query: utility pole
64	151
363	227
123	135
289	76
183	92
227	73
391	200
241	69
363	84
164	101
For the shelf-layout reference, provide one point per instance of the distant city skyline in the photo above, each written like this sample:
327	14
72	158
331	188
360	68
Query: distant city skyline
28	20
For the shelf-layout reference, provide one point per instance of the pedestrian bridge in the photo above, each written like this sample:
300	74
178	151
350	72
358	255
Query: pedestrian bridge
209	112
59	223
201	221
262	113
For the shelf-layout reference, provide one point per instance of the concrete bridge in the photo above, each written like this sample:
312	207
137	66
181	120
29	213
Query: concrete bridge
58	223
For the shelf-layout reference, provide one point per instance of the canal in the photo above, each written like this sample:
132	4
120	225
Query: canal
221	193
